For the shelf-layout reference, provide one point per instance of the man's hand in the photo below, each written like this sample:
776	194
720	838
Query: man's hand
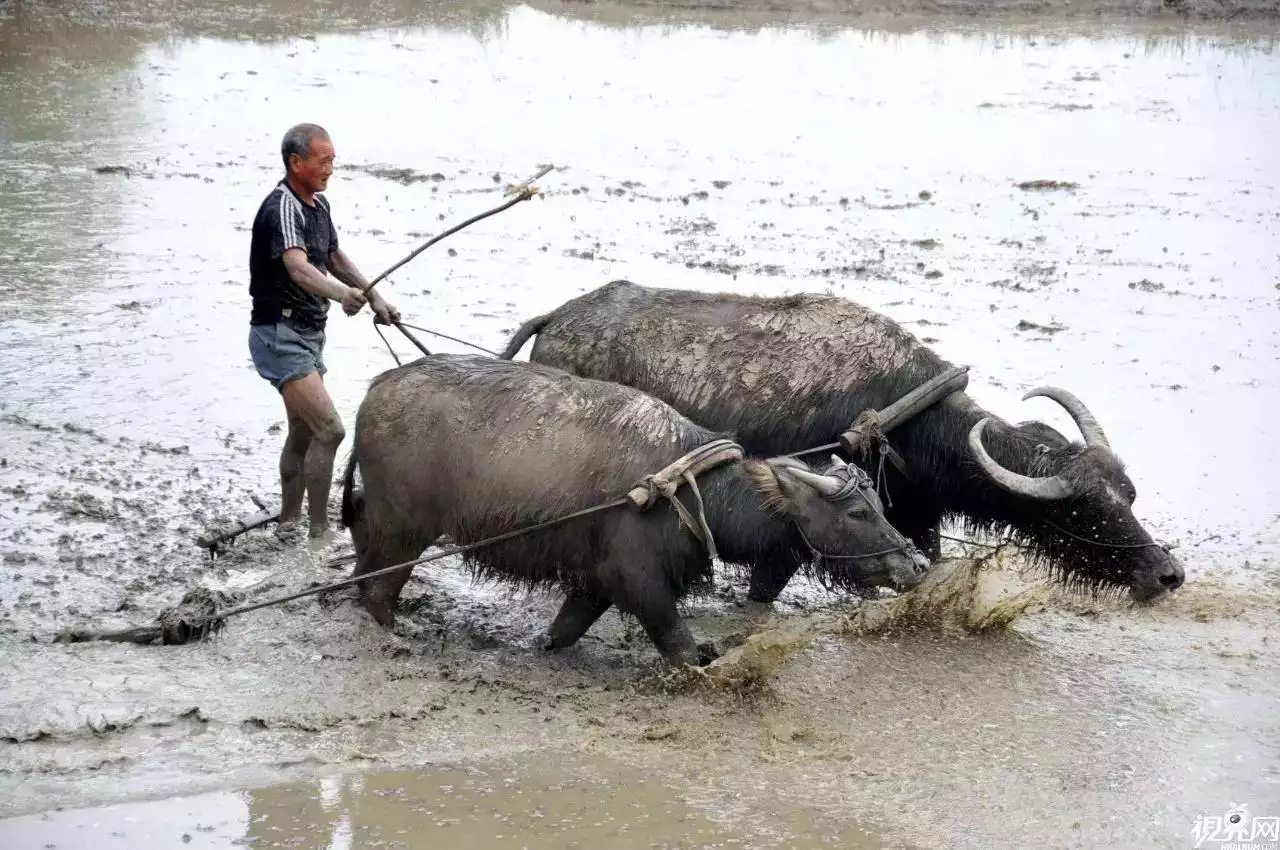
352	300
384	313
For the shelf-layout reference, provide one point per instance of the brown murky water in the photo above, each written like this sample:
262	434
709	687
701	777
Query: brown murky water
891	164
572	801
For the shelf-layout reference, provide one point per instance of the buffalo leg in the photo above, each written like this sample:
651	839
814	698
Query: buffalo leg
922	529
930	541
768	579
926	537
670	634
578	614
637	583
380	595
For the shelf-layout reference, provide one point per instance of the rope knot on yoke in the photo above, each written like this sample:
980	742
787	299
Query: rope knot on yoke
866	438
864	434
666	482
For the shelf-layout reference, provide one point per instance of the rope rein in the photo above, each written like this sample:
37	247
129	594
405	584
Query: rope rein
377	326
643	495
445	553
1103	544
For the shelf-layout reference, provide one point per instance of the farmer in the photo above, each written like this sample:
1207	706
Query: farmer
293	253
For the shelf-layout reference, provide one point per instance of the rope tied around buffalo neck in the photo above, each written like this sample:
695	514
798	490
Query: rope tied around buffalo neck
666	483
855	481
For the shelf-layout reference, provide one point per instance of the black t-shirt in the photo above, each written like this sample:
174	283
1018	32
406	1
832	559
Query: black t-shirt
283	222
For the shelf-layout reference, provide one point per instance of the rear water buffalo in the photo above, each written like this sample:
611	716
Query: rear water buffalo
790	373
474	447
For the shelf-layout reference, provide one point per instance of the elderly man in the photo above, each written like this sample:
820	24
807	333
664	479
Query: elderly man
295	269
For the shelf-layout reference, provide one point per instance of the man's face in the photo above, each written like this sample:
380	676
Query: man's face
314	170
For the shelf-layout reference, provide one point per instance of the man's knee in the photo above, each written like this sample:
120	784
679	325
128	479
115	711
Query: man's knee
329	432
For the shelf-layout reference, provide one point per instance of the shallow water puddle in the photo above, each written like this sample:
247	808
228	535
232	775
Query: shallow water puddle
540	801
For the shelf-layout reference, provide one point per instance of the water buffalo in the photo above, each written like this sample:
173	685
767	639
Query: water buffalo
789	373
473	447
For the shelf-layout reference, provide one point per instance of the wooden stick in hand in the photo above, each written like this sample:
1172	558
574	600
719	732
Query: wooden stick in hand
520	192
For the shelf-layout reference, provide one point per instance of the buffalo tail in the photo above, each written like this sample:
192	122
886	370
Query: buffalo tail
522	335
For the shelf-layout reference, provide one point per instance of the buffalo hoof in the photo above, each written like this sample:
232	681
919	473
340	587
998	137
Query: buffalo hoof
707	653
381	611
551	642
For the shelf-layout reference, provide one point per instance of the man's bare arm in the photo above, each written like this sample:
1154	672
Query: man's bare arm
310	278
343	269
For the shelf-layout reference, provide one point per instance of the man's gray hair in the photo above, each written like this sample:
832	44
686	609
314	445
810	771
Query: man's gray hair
298	140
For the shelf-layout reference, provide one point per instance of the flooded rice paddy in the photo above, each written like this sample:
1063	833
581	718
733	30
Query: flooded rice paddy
1085	204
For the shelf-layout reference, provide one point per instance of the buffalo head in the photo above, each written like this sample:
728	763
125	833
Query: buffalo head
841	521
1078	501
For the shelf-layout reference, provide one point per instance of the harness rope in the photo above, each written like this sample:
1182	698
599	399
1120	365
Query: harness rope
644	495
377	327
856	482
667	481
1103	544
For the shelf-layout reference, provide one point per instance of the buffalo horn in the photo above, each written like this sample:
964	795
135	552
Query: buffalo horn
1085	421
1046	489
825	485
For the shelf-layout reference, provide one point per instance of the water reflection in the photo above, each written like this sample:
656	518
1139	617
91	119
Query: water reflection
540	802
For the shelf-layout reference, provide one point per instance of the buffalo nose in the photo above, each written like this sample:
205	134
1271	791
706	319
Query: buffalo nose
1172	578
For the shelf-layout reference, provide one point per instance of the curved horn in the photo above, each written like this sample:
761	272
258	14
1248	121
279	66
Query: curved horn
1085	421
825	485
1046	489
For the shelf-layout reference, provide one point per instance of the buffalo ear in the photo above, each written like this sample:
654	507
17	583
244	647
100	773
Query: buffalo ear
763	476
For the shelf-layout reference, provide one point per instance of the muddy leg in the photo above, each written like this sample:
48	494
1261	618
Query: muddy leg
578	613
669	633
930	542
308	400
921	523
380	595
769	580
292	459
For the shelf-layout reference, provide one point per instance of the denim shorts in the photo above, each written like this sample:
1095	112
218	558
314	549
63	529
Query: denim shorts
282	353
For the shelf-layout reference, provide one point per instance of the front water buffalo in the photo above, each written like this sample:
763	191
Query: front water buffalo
474	447
790	373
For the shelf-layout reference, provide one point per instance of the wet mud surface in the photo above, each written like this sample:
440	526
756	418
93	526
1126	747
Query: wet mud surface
1095	208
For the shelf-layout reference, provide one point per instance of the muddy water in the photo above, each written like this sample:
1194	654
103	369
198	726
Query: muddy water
573	801
893	166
